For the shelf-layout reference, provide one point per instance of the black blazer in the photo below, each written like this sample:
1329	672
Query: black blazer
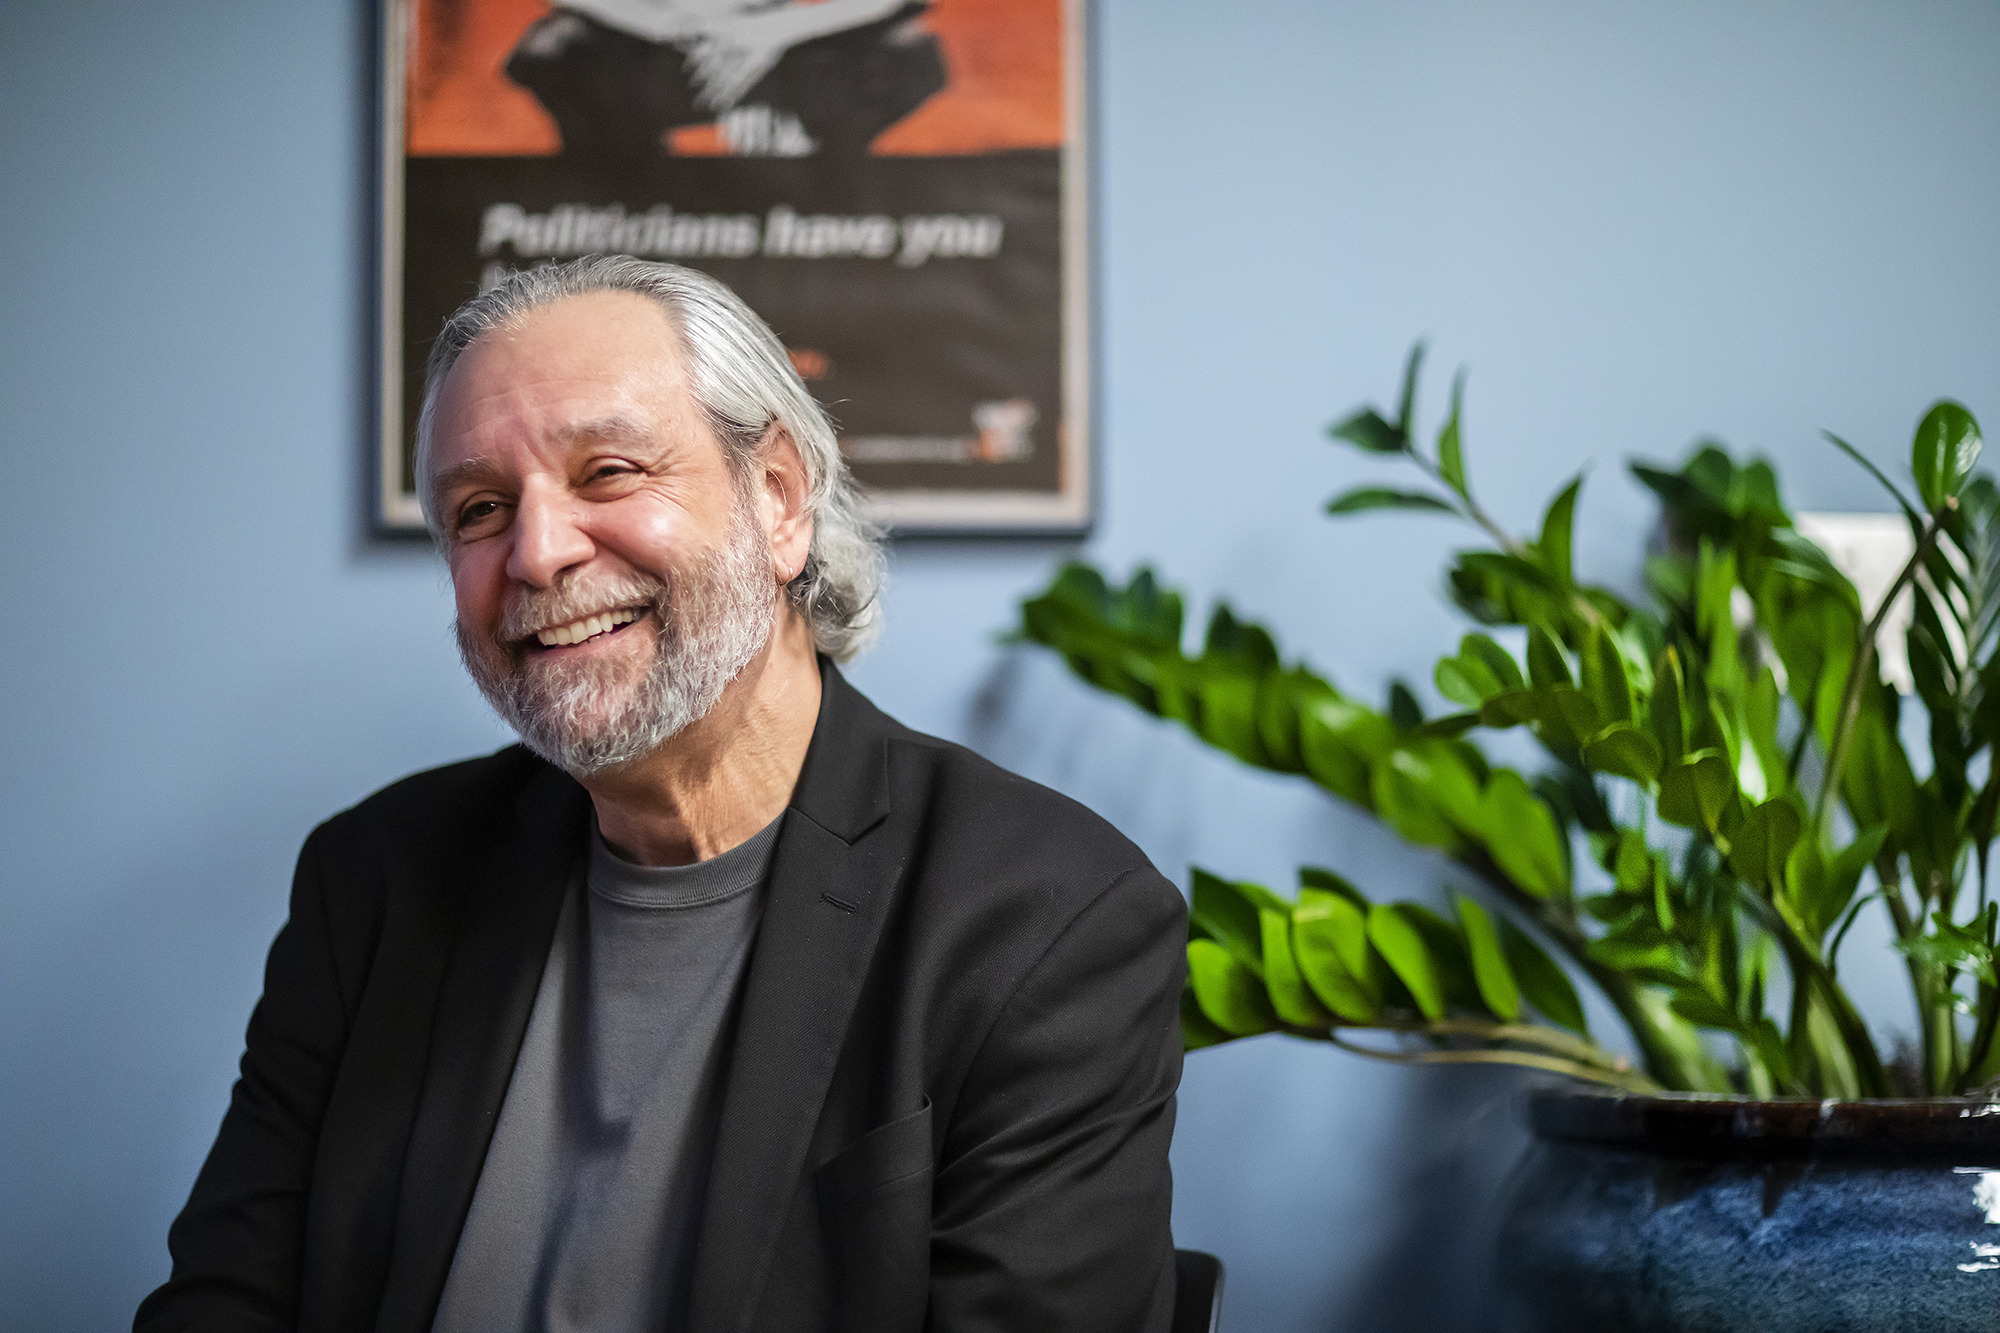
948	1106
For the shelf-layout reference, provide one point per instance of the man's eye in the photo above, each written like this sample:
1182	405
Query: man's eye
476	512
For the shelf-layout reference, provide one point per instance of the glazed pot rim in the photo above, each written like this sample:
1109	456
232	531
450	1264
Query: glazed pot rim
1719	1124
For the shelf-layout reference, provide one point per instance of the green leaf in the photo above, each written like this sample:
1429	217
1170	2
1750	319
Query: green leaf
1403	709
1449	955
1543	984
1844	875
1289	997
1406	410
1338	741
1878	784
1631	862
1196	1030
1547	668
1451	452
1450	726
1497	659
1909	510
1230	995
1639	950
1626	751
1227	717
1317	879
1500	589
1481	670
1820	890
1761	704
1330	940
1704	1010
1557	524
1367	430
1490	972
1764	839
1511	708
1711	470
1448	781
1401	799
1279	696
1943	453
1463	682
1604	678
1521	835
1966	948
1227	913
1753	494
1402	947
1715	587
1714	788
1237	642
1146	611
1363	499
1695	792
1570	713
1666	715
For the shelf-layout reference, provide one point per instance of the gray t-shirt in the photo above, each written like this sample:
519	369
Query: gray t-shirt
591	1195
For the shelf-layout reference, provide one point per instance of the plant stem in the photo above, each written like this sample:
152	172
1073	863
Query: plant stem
1508	544
1631	1081
1527	1034
1810	970
1977	1055
1656	1051
1858	672
1922	982
1472	507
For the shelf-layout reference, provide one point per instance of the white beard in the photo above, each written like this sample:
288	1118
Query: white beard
713	621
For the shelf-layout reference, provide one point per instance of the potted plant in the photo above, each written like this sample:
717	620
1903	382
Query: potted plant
1726	788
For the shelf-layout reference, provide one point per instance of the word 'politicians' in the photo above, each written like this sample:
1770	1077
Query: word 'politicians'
662	233
579	229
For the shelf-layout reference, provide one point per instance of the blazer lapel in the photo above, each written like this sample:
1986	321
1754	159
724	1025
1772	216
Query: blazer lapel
829	890
511	902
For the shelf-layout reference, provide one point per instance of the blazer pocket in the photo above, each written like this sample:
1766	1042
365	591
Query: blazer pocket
886	1156
875	1223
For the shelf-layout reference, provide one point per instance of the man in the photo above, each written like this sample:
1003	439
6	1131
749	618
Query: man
727	1003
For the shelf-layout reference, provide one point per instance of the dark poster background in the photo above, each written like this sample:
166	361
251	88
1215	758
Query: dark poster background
917	281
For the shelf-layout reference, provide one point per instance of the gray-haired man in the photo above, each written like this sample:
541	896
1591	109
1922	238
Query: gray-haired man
727	1002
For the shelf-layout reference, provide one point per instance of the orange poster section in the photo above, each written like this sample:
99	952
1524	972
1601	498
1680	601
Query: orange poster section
1003	57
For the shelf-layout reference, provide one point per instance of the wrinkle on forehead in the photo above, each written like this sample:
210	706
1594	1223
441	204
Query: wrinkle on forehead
611	428
579	369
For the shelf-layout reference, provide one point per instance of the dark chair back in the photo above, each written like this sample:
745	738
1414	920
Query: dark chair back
1197	1292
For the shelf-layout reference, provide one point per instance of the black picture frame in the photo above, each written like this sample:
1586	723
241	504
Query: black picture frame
938	302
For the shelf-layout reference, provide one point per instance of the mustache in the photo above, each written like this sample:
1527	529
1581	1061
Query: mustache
529	612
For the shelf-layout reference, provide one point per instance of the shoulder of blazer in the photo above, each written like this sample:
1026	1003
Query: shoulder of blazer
412	841
438	809
942	781
1004	847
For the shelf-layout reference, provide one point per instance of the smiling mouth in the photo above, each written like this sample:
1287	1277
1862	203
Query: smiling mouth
588	628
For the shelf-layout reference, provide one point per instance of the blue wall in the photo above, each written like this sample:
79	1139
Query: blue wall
1636	224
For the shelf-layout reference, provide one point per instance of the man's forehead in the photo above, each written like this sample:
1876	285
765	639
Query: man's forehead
598	331
607	365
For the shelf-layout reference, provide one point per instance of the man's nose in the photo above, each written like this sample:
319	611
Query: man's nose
548	538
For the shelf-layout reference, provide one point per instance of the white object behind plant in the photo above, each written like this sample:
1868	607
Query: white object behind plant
1871	549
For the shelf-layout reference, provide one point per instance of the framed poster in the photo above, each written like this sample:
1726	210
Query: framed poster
897	186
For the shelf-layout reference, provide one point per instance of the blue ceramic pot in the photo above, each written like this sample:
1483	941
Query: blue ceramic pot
1688	1212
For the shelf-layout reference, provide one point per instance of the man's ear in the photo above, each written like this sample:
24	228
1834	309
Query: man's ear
783	493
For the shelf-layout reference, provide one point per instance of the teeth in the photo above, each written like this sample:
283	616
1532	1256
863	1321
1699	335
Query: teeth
587	628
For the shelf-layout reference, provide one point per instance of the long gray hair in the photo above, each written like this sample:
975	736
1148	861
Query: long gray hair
744	384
